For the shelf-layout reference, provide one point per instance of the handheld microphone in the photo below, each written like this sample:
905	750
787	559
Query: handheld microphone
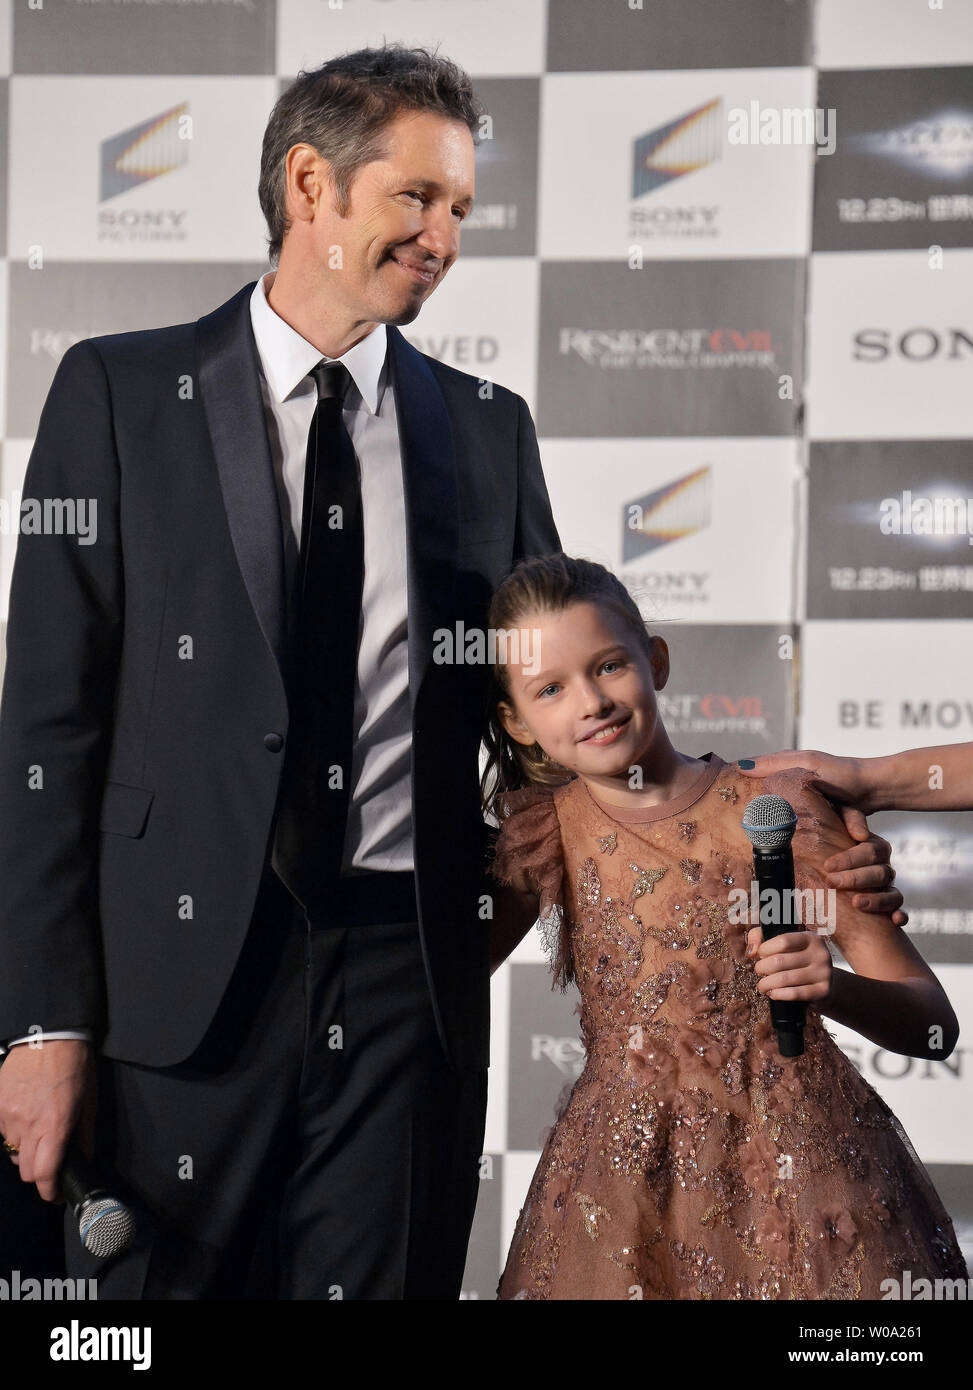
105	1224
770	822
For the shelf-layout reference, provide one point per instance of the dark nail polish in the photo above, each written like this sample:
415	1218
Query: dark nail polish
745	762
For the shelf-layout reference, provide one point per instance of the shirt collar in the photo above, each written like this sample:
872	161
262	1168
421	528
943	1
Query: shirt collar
287	357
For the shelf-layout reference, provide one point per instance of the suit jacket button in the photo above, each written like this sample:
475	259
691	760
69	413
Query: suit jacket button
273	742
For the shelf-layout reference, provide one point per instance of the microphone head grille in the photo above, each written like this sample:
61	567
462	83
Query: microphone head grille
769	822
105	1226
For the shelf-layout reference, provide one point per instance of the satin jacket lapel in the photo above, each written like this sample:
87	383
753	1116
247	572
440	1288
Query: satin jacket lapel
229	382
429	479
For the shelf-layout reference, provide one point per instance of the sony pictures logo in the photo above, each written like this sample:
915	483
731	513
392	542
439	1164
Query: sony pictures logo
919	344
681	146
136	156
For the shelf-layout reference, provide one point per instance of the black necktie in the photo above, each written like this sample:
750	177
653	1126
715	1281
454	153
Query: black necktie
316	778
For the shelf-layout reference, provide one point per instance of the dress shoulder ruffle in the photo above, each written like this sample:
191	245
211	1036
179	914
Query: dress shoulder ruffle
529	841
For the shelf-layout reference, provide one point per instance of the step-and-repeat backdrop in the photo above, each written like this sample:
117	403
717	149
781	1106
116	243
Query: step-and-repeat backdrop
724	248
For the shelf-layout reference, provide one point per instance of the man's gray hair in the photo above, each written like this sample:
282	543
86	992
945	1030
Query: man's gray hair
343	107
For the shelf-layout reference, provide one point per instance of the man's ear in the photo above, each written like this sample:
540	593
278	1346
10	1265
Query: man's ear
305	169
660	662
513	723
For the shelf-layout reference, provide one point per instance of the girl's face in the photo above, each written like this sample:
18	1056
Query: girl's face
588	674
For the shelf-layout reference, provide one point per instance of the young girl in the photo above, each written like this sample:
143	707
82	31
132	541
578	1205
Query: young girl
691	1160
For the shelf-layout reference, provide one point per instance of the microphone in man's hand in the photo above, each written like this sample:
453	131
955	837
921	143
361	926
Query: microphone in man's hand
770	822
105	1224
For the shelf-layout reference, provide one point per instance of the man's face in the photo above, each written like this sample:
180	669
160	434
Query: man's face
400	233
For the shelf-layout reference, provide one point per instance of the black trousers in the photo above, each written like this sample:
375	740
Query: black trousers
317	1145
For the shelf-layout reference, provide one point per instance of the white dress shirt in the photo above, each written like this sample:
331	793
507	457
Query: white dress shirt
379	835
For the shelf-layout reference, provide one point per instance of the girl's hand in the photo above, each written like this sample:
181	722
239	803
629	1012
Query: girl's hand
794	965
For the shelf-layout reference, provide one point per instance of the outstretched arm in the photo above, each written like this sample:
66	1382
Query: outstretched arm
920	779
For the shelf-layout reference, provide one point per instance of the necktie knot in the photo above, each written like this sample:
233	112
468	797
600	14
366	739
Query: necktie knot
332	380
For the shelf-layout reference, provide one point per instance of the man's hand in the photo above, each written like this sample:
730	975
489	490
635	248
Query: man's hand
866	868
793	965
45	1092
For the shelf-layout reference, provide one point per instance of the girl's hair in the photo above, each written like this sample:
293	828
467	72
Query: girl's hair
547	584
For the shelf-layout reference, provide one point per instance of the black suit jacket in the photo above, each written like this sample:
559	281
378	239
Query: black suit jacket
144	703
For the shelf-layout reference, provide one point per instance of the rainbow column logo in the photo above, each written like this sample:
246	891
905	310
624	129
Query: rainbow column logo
143	152
674	511
690	142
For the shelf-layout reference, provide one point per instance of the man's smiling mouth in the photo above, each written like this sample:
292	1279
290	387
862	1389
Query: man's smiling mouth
421	275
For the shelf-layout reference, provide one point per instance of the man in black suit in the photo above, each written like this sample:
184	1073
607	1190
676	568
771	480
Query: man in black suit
276	999
293	1100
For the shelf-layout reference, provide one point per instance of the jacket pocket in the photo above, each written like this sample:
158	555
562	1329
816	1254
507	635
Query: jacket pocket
124	810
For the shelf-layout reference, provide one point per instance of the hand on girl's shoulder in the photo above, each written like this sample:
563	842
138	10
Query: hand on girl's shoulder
819	824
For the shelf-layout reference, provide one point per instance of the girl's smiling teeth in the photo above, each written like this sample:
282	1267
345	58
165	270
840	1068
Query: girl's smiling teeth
607	735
